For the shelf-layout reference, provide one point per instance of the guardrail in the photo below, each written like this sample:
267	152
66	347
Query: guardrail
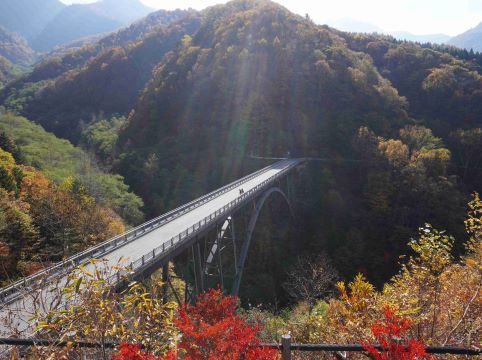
182	237
286	347
13	291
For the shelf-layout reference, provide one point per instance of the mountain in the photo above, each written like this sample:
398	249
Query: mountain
14	48
106	77
471	39
124	11
133	32
429	38
28	17
253	79
48	23
353	25
72	23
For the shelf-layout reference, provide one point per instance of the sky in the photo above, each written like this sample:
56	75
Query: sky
419	17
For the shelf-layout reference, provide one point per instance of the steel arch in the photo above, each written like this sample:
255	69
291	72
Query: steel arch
249	233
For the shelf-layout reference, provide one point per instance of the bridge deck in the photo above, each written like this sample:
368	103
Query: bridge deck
152	241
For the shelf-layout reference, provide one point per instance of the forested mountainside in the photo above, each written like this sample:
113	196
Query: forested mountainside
395	125
54	201
62	93
471	39
58	159
7	71
15	49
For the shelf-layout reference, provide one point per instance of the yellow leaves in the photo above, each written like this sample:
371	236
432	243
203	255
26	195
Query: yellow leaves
395	151
6	160
433	249
361	293
340	285
77	284
97	312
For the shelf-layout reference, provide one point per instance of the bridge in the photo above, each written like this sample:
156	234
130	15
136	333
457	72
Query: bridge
203	229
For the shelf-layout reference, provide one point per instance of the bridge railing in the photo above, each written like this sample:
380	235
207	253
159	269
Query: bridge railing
179	239
15	290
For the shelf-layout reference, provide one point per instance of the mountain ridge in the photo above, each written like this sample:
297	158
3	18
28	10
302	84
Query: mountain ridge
48	23
471	39
28	17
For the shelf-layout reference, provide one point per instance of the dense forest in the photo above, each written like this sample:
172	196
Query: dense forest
177	104
54	200
8	71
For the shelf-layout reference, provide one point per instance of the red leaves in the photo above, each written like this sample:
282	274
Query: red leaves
212	330
389	334
132	352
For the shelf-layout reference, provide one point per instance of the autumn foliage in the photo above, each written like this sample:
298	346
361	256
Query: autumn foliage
391	336
212	329
132	352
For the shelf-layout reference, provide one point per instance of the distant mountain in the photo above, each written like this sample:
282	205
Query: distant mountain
124	11
28	17
353	25
73	22
471	39
48	23
135	31
15	48
429	38
79	21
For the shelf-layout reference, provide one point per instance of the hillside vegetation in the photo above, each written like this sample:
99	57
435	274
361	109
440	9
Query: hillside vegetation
42	222
178	110
59	160
7	71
